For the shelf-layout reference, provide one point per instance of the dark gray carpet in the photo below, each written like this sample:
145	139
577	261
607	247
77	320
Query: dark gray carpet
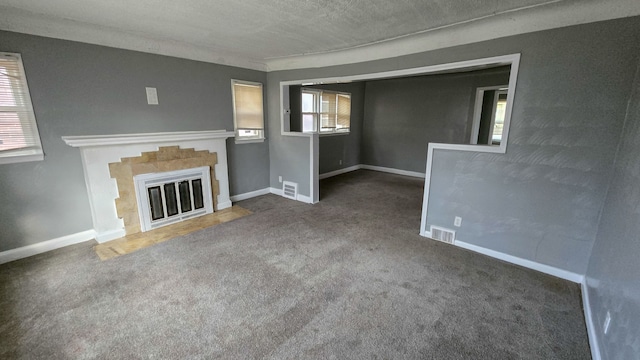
348	278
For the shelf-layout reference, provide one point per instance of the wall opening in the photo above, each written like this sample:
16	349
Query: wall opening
511	61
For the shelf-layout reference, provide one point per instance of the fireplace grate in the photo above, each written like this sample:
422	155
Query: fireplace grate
169	197
179	197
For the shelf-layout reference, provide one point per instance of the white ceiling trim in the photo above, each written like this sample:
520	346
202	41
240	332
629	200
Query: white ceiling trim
536	18
17	20
506	24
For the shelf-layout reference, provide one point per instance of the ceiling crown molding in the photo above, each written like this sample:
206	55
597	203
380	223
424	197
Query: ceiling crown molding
555	14
520	21
17	20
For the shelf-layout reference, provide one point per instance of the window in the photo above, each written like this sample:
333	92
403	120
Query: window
19	139
326	111
489	115
498	119
248	114
309	111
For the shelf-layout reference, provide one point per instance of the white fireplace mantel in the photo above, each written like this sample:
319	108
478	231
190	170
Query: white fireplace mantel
125	139
97	151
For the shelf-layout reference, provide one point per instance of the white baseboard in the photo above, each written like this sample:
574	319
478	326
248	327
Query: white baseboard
588	318
224	205
44	246
301	198
105	236
250	194
339	171
547	269
393	171
304	199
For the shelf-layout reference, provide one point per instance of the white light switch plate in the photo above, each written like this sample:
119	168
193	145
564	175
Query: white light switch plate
152	96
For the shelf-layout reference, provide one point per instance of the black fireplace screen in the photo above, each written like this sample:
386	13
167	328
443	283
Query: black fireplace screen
165	199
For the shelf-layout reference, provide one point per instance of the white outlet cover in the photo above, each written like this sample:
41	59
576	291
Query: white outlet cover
280	178
457	221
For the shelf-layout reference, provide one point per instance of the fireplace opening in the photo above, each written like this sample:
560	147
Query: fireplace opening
168	197
189	196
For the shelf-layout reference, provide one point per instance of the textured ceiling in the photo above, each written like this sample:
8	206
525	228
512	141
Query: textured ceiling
257	30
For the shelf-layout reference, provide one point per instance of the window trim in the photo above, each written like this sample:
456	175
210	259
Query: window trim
31	154
253	139
318	112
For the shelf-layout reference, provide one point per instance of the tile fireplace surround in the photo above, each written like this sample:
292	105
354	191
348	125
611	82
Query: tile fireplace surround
98	151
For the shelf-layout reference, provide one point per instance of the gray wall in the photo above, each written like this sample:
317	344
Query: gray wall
335	148
81	89
541	200
402	116
613	273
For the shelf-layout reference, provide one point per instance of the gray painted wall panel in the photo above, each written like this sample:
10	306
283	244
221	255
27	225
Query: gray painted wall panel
612	276
402	116
248	166
568	112
81	89
550	186
294	167
292	152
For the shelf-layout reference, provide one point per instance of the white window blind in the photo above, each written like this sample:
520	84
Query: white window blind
19	139
333	112
329	112
344	112
248	110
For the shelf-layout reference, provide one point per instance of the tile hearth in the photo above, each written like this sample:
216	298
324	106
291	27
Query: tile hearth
141	240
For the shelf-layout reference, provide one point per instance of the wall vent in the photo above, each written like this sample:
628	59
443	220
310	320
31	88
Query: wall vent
290	190
443	234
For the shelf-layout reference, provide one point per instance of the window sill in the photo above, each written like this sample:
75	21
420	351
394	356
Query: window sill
14	159
323	134
249	141
334	133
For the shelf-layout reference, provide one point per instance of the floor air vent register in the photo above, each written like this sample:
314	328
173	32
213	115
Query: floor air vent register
443	234
290	190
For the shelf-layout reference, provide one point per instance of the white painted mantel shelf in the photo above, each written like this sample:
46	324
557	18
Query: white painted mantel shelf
124	139
98	151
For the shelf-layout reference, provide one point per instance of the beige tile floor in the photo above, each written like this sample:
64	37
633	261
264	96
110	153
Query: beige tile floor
141	240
